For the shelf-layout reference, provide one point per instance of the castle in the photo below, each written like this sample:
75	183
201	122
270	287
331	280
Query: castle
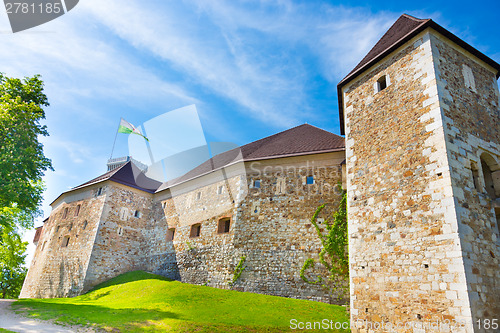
420	114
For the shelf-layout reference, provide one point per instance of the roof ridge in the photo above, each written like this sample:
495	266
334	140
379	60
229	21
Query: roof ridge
413	17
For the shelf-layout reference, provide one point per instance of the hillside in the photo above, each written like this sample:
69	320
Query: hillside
143	302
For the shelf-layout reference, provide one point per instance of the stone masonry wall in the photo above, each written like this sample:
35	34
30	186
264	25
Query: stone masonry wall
472	127
269	225
120	243
129	229
58	270
273	227
405	251
203	259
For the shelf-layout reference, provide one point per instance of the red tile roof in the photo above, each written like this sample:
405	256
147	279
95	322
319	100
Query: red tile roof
404	25
301	140
405	28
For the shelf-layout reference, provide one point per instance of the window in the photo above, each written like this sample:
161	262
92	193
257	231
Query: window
220	189
170	234
123	213
382	83
99	191
491	174
65	242
85	225
224	225
497	214
70	226
468	77
43	246
120	231
137	214
57	229
65	213
198	196
77	211
475	175
195	230
310	180
256	183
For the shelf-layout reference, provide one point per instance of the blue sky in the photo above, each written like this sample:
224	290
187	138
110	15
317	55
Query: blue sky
253	68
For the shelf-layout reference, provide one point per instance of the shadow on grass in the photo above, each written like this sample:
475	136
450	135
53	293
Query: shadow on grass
129	277
126	320
83	314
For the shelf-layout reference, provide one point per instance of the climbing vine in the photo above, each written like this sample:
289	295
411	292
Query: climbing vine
334	254
238	270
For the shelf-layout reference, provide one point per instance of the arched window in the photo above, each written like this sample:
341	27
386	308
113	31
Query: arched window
491	175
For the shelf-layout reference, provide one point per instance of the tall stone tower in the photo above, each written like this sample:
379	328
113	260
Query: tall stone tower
421	118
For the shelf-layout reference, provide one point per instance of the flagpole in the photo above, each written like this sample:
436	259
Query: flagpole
113	149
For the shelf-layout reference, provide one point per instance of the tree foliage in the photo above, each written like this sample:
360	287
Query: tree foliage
334	255
12	270
22	162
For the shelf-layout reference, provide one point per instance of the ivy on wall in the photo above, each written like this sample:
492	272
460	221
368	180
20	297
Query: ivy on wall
334	254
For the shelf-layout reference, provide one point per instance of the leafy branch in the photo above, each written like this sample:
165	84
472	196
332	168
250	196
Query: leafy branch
238	270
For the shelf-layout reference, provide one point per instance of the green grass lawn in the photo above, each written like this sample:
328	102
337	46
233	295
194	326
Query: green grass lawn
143	302
3	330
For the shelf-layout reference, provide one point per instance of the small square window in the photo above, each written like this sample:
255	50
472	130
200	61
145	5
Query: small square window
382	83
77	211
137	214
170	234
256	183
65	213
310	180
224	225
195	230
65	242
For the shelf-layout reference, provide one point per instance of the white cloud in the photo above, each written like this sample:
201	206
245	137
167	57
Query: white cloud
75	62
211	58
339	36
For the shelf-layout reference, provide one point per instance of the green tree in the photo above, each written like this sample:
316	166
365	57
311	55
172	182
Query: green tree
12	257
22	162
334	255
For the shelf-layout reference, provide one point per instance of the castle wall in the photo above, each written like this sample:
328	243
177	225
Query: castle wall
276	240
58	270
405	250
273	228
120	244
472	127
204	259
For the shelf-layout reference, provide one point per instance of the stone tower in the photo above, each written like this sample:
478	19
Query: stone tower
421	118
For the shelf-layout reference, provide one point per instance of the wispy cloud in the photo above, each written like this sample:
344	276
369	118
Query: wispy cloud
247	53
77	64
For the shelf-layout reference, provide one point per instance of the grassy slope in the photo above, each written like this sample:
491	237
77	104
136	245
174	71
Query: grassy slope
139	302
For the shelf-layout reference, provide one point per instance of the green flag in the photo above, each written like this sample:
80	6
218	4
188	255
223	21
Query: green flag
128	128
